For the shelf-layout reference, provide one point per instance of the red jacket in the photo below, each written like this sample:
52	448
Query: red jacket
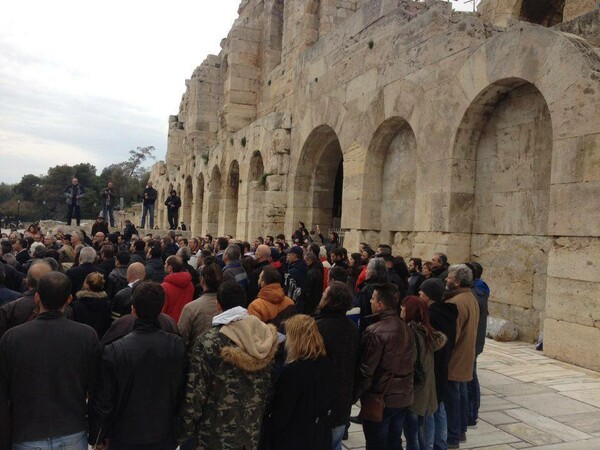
179	292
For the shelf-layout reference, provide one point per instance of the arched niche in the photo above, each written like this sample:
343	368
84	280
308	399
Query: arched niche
187	201
198	205
230	199
214	198
318	182
391	176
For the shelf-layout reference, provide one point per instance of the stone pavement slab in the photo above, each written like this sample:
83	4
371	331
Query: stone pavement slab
528	401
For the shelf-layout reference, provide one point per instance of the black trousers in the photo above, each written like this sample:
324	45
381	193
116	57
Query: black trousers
173	216
77	210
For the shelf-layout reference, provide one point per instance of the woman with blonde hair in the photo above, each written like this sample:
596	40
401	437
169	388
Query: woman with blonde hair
91	306
301	408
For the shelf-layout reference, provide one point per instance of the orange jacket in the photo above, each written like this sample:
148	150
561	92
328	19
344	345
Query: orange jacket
270	302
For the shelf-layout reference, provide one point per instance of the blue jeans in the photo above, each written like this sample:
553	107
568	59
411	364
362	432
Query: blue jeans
411	431
441	428
148	209
474	397
457	409
419	431
108	211
387	434
337	434
77	441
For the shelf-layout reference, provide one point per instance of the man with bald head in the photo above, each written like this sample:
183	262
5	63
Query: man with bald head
24	309
124	320
262	258
136	272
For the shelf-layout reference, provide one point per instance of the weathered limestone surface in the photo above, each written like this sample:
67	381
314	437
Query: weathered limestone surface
407	123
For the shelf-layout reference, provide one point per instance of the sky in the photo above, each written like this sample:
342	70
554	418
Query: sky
88	81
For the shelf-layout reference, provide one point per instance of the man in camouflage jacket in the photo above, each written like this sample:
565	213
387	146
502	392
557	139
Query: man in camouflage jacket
230	376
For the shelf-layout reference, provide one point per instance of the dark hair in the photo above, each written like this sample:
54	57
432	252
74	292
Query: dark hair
107	251
95	281
338	297
230	294
387	257
24	243
476	269
139	245
418	263
54	290
386	248
6	247
222	243
388	294
443	259
245	247
271	275
175	263
356	269
338	273
148	300
402	269
416	310
212	276
336	237
156	252
2	273
280	236
205	254
315	249
370	252
210	238
123	258
339	252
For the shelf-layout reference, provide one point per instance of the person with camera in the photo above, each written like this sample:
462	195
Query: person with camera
73	194
108	195
173	203
150	195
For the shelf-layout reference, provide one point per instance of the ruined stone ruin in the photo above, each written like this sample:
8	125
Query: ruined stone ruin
408	123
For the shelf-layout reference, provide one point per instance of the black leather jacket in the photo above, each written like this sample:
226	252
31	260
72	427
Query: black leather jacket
139	388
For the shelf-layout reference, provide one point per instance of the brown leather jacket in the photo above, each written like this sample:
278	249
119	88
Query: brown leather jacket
387	348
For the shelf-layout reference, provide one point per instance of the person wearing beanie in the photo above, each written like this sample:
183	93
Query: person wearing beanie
442	317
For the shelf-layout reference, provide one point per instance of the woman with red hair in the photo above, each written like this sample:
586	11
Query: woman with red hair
419	425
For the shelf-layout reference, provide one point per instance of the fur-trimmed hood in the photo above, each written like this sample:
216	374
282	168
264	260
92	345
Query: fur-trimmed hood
256	344
438	338
91	294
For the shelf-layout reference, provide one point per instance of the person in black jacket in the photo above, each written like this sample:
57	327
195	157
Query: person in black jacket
295	278
122	302
262	258
442	316
77	274
48	368
141	381
173	203
301	408
342	340
150	195
377	273
313	287
155	268
91	306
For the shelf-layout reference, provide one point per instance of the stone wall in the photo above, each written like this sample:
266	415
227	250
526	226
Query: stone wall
409	124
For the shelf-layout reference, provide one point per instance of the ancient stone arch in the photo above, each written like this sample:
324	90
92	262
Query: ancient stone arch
318	181
229	203
187	200
214	198
198	204
390	171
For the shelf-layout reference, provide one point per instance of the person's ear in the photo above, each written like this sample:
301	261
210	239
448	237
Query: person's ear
37	300
133	313
219	308
69	300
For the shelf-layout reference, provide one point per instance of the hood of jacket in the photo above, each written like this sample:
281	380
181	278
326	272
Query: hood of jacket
179	279
438	338
120	273
273	293
256	344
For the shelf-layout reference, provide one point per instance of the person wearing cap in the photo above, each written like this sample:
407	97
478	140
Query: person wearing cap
173	203
99	226
442	317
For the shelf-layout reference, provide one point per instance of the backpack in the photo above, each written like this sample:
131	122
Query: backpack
291	288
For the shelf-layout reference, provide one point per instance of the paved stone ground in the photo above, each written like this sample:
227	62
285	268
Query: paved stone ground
528	401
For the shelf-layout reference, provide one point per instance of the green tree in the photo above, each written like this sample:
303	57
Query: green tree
28	187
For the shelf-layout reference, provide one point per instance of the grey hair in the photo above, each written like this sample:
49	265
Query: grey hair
87	255
34	247
79	235
311	256
377	269
185	253
462	274
52	263
232	252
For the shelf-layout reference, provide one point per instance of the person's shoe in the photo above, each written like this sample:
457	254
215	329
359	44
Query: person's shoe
463	437
345	436
472	425
356	419
453	446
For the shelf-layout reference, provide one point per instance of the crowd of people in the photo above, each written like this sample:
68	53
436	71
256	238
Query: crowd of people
124	341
